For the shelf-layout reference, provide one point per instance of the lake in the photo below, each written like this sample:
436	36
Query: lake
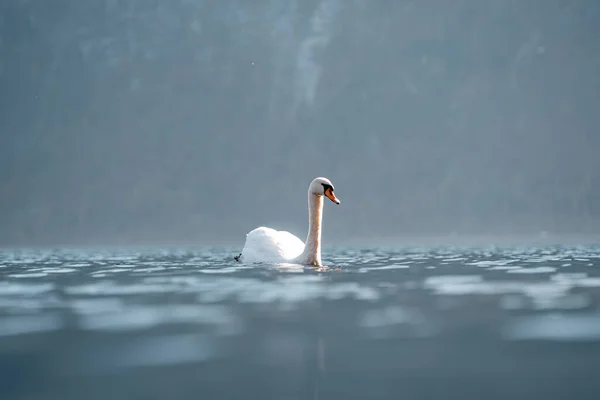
487	322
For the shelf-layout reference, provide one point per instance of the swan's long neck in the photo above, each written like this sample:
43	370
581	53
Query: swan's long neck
312	248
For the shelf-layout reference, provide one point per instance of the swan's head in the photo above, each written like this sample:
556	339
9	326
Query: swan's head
323	187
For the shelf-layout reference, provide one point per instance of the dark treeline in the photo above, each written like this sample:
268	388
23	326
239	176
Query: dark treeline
197	120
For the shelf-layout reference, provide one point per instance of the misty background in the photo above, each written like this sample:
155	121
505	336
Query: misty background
136	121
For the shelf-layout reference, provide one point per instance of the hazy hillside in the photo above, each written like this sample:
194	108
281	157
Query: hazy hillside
191	120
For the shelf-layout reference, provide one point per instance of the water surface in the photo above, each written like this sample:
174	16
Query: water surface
382	323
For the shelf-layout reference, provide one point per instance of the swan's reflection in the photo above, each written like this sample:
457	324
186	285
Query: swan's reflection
299	268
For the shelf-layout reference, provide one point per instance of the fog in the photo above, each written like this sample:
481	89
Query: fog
194	121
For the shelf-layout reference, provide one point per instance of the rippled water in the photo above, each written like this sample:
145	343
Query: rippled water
385	323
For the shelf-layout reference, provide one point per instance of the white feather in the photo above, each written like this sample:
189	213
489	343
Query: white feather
269	245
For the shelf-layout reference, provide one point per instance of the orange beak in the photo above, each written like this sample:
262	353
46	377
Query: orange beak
331	196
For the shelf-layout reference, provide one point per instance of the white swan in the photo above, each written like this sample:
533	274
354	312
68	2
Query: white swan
269	245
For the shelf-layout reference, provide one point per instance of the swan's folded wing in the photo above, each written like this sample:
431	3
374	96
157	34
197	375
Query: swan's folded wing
268	245
290	244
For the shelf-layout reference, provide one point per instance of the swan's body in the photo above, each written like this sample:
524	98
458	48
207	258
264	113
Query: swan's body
265	244
269	245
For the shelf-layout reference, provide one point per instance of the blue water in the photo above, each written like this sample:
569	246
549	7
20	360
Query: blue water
378	323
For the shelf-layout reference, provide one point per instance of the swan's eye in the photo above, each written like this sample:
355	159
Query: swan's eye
326	187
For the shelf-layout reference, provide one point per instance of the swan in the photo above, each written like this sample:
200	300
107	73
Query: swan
269	245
